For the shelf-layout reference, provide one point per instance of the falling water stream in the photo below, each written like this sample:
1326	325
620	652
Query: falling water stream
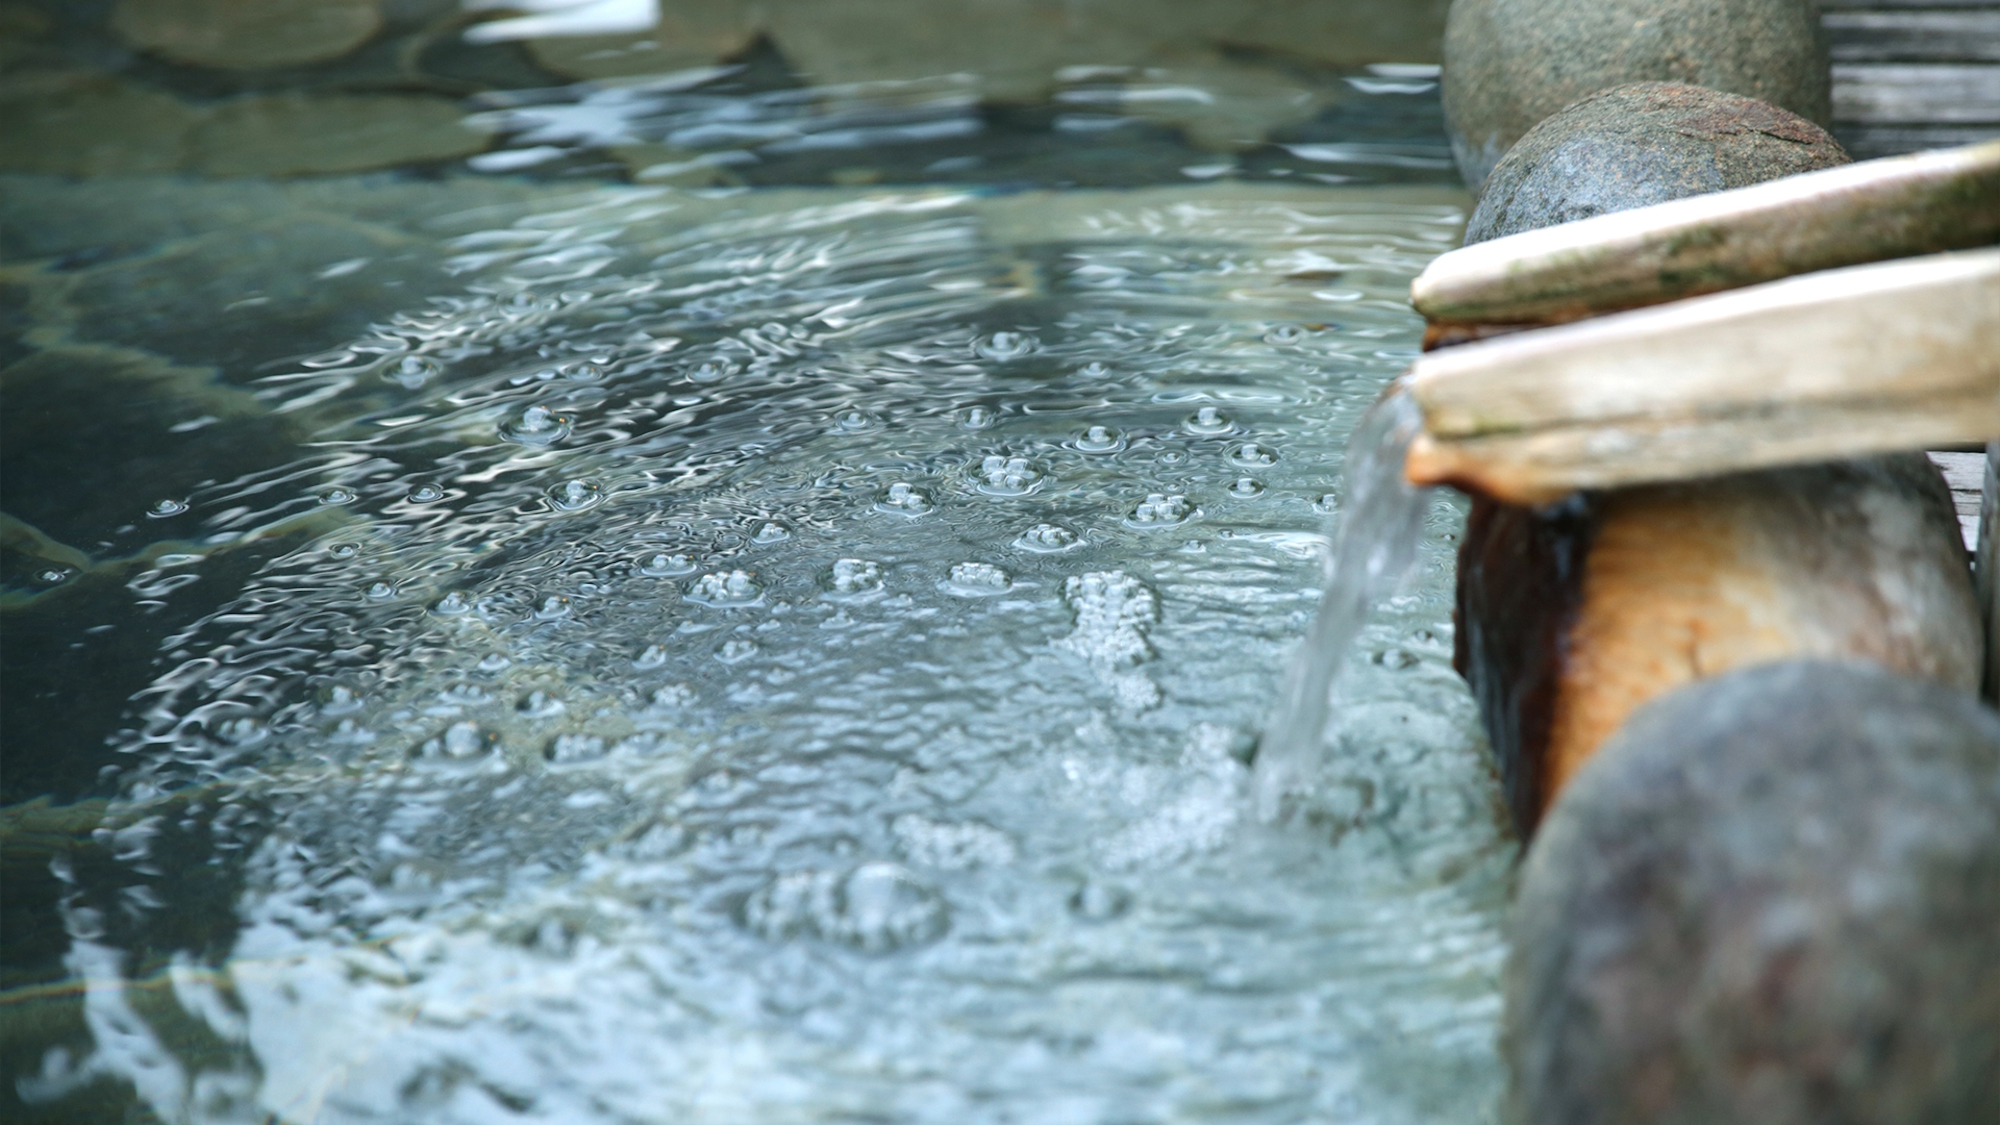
638	653
1372	542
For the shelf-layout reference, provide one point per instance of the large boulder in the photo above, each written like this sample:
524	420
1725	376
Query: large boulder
1508	64
1774	897
1639	144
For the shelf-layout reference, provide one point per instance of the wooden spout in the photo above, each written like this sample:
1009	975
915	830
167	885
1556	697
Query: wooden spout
1867	212
1841	363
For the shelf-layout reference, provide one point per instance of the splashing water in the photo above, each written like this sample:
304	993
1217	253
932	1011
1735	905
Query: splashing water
832	705
1372	544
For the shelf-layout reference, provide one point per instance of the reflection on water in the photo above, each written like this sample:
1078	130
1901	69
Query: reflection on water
776	654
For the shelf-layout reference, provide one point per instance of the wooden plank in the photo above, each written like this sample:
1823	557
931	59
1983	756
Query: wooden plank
1821	220
1897	5
1895	355
1873	142
1965	475
1914	93
1961	35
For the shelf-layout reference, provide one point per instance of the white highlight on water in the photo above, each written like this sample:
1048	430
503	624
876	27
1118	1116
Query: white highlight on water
1372	541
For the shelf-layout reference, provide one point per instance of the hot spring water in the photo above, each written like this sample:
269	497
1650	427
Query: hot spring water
794	656
1371	544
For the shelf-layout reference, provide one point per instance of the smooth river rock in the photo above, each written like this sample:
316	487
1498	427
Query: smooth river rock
1508	64
247	34
1639	144
1774	898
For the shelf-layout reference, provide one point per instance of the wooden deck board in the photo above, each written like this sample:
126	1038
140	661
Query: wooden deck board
1916	75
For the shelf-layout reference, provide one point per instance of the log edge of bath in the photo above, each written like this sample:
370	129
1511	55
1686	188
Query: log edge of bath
1947	199
1842	363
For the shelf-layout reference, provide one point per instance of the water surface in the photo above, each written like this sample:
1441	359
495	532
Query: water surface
660	653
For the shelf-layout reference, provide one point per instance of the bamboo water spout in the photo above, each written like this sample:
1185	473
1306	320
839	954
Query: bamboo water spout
1843	362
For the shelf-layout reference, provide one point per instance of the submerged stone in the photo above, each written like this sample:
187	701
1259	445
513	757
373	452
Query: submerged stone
289	134
1511	63
77	124
247	34
1640	144
1771	899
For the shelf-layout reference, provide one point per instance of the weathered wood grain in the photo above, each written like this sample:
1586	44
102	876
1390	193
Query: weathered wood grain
1864	212
1834	364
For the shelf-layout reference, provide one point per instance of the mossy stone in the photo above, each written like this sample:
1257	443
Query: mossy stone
1640	144
247	34
1508	64
293	134
1773	897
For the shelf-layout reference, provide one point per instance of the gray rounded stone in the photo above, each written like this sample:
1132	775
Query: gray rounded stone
1640	144
1773	897
1508	64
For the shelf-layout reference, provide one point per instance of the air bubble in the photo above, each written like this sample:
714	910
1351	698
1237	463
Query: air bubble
1250	455
537	425
1048	538
336	495
1285	334
719	589
566	748
855	578
245	731
736	649
1208	420
1245	488
878	907
664	565
413	371
55	575
771	533
672	697
905	500
162	509
576	495
978	418
1160	509
585	371
460	740
493	662
452	604
342	550
1100	439
653	657
1095	369
712	371
380	591
553	607
1005	345
540	705
1099	902
1008	476
976	580
853	420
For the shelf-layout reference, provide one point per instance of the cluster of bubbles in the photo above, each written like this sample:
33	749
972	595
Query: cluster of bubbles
768	635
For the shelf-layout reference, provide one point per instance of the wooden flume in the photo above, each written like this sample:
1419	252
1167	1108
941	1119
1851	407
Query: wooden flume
1842	363
1857	213
1778	370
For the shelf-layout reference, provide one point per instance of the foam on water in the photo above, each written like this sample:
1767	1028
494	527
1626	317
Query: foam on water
826	695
